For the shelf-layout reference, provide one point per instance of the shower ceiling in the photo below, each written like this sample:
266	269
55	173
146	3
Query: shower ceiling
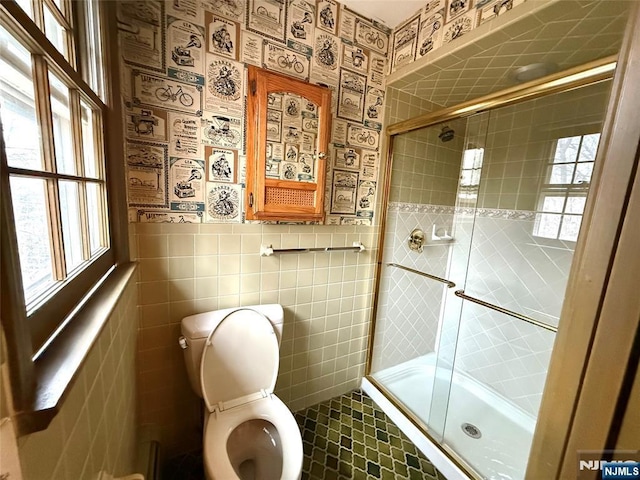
565	32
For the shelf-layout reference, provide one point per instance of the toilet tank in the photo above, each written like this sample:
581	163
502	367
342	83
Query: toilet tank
196	329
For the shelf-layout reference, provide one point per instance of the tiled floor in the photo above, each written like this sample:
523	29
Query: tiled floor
347	437
184	467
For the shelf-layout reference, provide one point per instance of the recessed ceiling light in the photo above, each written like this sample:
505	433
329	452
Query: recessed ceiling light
533	71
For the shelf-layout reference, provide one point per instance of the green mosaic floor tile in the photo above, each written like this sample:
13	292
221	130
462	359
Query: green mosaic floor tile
346	438
398	454
384	448
350	438
388	474
400	468
373	469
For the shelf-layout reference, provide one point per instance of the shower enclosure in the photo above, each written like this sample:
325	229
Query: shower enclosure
483	212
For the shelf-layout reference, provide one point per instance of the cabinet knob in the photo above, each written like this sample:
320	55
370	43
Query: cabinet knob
322	155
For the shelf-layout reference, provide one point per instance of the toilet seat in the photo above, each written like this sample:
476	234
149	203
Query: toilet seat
240	360
221	424
238	372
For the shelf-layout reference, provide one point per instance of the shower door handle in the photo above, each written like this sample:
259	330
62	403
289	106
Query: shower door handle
511	313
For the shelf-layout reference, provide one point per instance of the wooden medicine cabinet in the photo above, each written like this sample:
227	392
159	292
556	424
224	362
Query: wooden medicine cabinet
288	129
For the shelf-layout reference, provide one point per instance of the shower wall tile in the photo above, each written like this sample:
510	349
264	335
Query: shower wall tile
512	268
425	169
462	231
409	305
326	296
506	354
505	265
508	266
402	220
407	325
521	141
401	105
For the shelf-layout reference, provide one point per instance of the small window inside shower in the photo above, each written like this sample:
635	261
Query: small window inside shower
564	193
470	173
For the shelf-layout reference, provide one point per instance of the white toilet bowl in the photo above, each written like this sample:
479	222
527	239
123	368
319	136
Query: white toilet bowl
249	433
257	440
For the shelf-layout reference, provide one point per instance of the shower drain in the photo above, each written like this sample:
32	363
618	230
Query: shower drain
471	430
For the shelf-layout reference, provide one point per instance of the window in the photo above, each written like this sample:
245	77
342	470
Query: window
53	162
470	173
564	194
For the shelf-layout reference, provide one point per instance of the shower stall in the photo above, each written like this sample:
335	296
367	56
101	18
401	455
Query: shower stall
483	211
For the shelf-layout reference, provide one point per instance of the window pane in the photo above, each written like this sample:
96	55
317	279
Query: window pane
475	176
32	231
94	49
566	149
88	142
575	205
472	158
570	227
59	5
71	225
55	32
94	213
583	172
589	147
553	204
547	225
26	6
561	174
17	108
61	116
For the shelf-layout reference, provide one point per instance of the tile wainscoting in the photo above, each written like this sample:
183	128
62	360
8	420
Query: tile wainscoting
187	269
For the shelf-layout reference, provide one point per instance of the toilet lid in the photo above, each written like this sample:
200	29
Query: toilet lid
240	359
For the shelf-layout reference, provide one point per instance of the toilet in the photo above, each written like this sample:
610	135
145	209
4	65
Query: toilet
232	359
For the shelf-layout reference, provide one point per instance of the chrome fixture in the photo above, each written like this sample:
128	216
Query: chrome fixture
416	240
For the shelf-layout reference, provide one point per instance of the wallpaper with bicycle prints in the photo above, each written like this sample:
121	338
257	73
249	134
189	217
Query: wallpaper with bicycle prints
440	22
184	83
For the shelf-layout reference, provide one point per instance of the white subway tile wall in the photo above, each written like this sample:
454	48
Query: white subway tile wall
327	299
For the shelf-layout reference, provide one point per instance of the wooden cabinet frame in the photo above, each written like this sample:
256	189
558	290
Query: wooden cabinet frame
275	199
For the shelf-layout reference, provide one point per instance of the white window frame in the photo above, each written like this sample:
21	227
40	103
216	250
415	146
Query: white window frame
571	189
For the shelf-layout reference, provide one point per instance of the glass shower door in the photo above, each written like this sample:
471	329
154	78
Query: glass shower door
413	293
471	157
537	164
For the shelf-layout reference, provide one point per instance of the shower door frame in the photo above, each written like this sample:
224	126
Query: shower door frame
583	75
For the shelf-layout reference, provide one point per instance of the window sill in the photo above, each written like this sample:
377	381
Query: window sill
57	368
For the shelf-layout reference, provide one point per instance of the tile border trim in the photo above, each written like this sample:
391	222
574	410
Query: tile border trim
450	210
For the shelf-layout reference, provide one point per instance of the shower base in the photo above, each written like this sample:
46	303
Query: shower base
498	442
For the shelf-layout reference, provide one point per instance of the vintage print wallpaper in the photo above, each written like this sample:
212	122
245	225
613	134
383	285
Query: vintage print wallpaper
439	22
184	83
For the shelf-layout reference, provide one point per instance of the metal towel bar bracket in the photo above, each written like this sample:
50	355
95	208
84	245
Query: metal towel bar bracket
511	313
268	250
